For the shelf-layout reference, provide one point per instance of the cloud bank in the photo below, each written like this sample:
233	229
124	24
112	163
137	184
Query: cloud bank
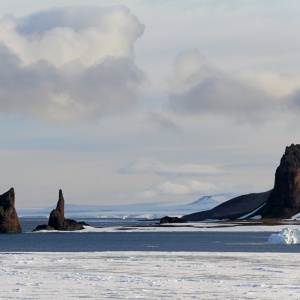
69	63
153	166
197	87
189	187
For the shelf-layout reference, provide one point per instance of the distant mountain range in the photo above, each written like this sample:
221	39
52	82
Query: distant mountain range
152	210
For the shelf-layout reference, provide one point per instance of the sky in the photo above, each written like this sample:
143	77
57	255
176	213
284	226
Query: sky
118	102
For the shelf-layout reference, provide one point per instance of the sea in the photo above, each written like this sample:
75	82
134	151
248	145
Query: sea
127	240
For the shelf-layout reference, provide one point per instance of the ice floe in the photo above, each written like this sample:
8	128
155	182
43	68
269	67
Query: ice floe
286	236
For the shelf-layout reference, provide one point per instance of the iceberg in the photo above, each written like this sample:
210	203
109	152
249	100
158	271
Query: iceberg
286	236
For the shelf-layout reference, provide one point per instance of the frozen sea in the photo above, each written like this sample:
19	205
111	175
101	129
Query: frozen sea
137	262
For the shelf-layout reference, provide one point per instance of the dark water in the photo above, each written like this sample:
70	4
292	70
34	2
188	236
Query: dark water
28	224
141	241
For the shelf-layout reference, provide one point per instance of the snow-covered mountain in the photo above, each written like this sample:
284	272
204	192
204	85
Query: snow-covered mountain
205	200
139	210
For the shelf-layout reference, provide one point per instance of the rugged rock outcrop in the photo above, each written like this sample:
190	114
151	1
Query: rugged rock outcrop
43	227
9	221
284	201
167	219
57	220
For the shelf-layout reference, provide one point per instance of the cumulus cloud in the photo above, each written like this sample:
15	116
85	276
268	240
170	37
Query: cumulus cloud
153	166
197	87
69	63
189	187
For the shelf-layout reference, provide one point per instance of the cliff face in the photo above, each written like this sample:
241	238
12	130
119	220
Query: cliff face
9	221
284	201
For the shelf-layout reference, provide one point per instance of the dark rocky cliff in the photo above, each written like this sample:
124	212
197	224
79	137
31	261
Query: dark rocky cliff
9	221
284	201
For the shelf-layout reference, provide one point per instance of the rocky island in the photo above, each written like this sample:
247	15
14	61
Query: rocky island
57	220
9	221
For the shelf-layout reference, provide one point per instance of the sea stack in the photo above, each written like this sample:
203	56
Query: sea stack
57	219
284	200
57	215
9	221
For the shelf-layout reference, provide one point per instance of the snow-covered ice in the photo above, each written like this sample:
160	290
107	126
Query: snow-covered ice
149	275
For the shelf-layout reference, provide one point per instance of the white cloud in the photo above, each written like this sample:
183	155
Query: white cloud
189	187
190	68
197	87
64	35
69	63
150	165
276	85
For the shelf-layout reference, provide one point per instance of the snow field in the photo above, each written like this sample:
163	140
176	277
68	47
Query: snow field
149	275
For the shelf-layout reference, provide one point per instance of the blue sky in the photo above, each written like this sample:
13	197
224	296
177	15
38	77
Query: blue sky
141	101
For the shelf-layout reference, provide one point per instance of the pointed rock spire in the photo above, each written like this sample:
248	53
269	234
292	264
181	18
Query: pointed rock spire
57	219
60	207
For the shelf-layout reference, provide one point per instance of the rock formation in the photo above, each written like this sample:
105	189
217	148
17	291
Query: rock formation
9	221
57	219
57	215
284	201
167	219
232	209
